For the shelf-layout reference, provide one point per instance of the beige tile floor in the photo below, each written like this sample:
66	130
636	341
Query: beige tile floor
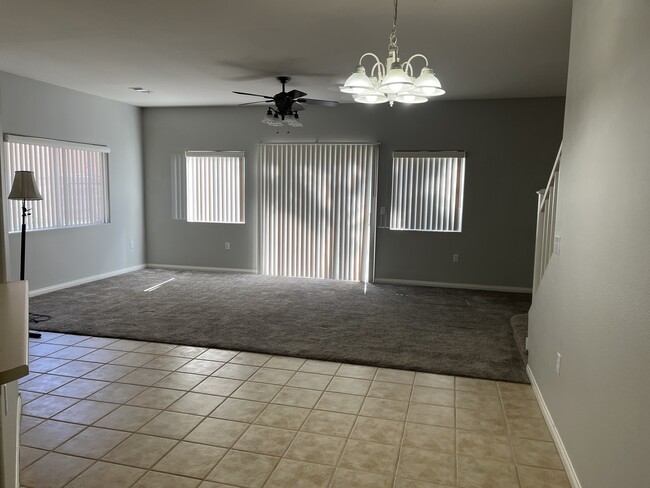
113	413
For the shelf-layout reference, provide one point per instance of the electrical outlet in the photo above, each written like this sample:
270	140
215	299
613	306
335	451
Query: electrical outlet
455	258
227	246
131	244
558	362
556	244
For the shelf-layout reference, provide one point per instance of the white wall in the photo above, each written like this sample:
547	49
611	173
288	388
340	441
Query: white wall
592	305
510	144
32	108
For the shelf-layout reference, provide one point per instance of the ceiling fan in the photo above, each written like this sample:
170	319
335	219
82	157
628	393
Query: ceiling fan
286	104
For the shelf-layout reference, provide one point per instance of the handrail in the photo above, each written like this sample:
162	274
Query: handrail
546	214
556	168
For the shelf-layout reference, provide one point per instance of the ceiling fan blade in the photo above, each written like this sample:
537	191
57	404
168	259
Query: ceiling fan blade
296	107
252	94
253	103
296	94
314	101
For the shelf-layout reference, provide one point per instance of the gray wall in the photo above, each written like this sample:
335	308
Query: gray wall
592	305
510	144
32	108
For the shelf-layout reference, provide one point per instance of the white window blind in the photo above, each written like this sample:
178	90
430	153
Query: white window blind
317	204
427	191
179	187
71	177
215	187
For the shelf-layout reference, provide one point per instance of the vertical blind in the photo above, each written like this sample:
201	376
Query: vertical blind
316	213
72	178
427	191
179	190
215	187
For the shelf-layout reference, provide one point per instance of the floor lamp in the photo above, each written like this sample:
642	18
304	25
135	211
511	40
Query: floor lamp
24	188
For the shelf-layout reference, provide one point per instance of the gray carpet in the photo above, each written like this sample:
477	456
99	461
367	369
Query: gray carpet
447	331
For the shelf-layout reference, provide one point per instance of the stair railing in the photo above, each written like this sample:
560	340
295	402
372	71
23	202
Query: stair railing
546	213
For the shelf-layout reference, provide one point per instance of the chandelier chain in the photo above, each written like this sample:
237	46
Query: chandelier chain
393	35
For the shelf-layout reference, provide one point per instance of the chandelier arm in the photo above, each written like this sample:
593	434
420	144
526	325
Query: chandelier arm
378	66
409	64
378	70
369	54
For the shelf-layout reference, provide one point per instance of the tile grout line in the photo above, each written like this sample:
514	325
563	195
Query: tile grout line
401	442
338	466
510	443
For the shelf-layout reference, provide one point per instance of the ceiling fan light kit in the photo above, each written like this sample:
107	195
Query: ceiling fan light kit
274	119
393	81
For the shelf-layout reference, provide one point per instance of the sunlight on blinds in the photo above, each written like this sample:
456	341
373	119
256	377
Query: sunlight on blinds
73	180
427	192
317	204
215	187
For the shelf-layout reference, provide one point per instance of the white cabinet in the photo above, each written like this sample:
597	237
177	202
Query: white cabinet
10	406
13	366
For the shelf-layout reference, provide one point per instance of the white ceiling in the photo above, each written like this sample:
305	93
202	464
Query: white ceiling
195	52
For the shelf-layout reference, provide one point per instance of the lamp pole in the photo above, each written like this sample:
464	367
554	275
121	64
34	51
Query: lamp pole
23	234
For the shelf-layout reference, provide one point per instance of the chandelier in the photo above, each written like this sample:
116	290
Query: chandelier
393	81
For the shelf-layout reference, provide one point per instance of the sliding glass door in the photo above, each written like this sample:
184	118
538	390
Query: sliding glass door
317	210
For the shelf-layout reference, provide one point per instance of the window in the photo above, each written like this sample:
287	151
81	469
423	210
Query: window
215	187
72	178
428	191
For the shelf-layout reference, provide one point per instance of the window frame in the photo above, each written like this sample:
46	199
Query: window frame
237	198
411	198
61	197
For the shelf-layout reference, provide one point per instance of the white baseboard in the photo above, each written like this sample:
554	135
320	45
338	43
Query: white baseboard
564	455
465	286
200	268
81	281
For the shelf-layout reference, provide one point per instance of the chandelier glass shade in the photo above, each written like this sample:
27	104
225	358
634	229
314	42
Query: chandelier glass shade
274	119
393	81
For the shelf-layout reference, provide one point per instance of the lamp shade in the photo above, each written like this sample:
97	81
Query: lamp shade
268	118
358	82
371	98
427	84
410	98
24	187
395	80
